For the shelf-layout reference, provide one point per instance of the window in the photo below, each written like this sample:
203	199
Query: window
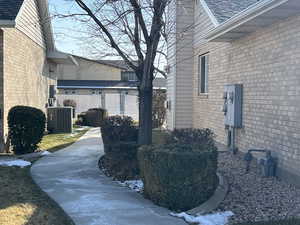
129	76
70	92
203	73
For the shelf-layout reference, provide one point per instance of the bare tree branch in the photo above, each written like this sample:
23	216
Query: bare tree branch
103	28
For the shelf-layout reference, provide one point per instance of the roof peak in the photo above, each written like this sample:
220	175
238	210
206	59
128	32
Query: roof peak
226	9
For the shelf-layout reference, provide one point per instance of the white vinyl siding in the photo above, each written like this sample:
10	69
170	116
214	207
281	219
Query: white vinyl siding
124	103
83	102
112	101
184	64
171	79
132	106
29	22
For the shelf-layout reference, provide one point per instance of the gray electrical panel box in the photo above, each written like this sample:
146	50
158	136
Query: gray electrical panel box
233	100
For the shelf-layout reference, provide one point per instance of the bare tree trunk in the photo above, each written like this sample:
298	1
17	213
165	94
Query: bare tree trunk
145	125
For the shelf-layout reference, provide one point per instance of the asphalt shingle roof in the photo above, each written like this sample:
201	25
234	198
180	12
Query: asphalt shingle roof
158	83
117	63
96	83
9	9
225	9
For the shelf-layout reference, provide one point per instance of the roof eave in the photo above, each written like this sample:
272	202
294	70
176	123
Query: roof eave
62	58
212	17
243	17
7	23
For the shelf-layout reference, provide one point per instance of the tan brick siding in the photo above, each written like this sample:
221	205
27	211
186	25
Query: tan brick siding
267	63
26	72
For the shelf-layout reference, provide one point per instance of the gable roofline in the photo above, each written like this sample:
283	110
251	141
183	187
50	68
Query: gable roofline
7	23
243	17
45	22
43	7
209	13
104	62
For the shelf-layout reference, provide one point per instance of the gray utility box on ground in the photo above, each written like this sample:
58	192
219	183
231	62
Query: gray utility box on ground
59	119
233	100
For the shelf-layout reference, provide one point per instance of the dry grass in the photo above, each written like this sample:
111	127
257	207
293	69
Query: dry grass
55	142
23	203
21	200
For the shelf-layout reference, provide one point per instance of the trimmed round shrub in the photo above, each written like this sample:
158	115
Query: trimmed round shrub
116	129
26	128
95	117
181	175
119	135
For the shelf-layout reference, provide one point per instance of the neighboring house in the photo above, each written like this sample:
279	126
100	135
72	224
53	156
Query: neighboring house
108	84
249	42
28	57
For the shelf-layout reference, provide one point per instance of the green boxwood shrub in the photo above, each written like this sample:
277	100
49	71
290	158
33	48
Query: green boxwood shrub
26	128
119	135
93	117
121	161
179	176
190	136
117	129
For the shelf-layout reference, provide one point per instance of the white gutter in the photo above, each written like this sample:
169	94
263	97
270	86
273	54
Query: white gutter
248	14
7	23
56	55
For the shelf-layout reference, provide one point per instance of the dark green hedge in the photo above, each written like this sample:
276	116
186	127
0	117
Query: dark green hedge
119	135
179	176
121	161
26	128
93	117
191	136
116	129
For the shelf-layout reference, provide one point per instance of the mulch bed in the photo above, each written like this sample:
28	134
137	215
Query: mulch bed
252	197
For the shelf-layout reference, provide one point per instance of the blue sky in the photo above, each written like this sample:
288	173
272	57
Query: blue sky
68	37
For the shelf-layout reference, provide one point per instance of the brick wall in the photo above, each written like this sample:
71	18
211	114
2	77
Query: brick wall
26	73
267	63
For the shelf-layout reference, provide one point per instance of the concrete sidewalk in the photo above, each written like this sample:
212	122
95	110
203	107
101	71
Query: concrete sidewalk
72	178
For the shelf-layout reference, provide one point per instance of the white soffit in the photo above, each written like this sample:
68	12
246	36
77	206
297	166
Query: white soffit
260	15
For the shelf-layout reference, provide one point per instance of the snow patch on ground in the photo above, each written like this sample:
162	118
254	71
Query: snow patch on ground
45	153
209	219
81	128
136	185
19	162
